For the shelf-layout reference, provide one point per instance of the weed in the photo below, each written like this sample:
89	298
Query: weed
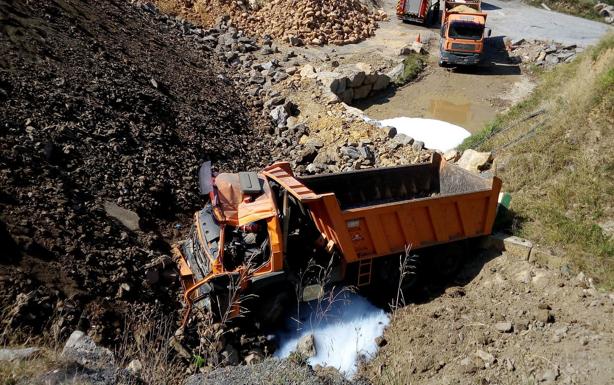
298	358
413	65
148	341
198	361
582	8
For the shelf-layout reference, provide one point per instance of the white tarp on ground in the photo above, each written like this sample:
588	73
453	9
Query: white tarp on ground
343	333
436	134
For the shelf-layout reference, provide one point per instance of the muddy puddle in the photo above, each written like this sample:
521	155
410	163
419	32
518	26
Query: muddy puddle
466	100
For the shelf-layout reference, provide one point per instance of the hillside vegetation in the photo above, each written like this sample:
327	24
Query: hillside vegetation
555	153
584	8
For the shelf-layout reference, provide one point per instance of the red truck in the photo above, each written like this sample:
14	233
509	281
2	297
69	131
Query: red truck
418	11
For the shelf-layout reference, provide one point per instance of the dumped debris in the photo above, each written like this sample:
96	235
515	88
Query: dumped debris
348	83
606	11
541	53
311	22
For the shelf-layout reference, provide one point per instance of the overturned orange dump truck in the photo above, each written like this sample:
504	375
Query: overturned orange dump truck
282	237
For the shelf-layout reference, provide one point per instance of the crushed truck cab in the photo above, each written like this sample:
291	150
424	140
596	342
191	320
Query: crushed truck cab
261	232
463	27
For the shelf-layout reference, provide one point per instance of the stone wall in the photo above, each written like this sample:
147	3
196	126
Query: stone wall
348	83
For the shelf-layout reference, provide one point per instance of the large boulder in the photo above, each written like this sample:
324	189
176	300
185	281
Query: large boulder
126	217
396	73
362	91
80	348
306	346
382	82
330	81
475	161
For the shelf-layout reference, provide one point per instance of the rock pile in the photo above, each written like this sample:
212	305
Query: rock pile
311	22
351	144
542	53
348	83
606	11
314	22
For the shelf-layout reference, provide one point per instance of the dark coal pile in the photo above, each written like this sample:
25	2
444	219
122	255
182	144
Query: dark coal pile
105	111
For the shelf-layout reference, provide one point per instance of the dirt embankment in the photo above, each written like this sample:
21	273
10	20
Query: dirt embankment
502	320
101	102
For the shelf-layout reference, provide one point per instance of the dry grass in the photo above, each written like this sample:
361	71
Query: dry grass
559	166
22	371
148	341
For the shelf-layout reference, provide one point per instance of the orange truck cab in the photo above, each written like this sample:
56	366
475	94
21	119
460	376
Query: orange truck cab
463	28
279	236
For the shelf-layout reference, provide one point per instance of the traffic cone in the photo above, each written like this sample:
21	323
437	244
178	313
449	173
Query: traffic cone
418	39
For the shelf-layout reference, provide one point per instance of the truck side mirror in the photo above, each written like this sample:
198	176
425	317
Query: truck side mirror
489	32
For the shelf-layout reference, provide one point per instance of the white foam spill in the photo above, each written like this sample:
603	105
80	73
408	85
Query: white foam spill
436	134
344	331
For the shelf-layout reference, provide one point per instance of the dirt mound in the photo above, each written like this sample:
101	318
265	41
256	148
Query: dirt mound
313	22
502	320
107	112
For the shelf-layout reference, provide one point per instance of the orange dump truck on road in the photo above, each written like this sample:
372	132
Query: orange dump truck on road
279	236
462	32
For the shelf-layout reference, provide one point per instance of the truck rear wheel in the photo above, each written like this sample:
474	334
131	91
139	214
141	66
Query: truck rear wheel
272	304
446	260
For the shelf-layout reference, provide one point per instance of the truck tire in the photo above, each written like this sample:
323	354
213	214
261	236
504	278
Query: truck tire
447	260
273	304
432	15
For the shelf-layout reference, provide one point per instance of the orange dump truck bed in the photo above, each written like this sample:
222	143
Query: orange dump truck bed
374	213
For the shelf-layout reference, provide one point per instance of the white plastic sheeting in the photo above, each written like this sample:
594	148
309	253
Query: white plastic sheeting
343	332
436	134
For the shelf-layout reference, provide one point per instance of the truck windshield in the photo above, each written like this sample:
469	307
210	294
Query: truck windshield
466	30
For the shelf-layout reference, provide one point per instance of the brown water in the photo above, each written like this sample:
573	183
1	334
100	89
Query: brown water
469	101
469	115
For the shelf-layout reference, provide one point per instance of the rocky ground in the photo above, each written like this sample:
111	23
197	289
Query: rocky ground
502	320
102	136
312	22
